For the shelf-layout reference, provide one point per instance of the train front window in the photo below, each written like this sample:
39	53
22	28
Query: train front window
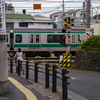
73	38
18	38
54	38
31	38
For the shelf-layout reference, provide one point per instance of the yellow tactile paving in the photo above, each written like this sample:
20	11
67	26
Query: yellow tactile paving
29	95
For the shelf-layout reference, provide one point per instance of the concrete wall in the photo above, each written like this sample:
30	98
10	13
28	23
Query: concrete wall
78	14
89	60
35	25
97	29
16	24
41	25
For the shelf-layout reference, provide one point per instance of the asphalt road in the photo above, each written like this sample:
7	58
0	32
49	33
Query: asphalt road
85	83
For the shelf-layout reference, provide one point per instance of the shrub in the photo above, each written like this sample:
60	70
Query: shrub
92	43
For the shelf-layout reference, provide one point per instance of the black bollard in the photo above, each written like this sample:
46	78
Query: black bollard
11	65
19	67
27	69
36	72
64	84
54	78
47	75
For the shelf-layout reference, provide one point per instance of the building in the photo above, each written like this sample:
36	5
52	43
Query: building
54	15
75	13
9	9
42	22
57	17
59	22
27	21
24	20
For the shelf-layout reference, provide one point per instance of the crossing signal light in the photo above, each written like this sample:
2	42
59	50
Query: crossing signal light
63	40
63	37
63	30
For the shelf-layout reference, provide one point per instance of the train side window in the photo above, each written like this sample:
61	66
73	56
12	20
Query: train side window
54	38
50	38
79	40
37	38
18	38
2	37
31	38
73	38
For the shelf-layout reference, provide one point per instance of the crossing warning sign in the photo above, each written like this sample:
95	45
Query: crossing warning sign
88	34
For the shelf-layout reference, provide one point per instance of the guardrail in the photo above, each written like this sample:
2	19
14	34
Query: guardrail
48	68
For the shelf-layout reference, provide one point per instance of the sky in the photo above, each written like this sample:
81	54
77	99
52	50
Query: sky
49	6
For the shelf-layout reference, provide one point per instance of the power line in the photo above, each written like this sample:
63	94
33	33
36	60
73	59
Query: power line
47	1
17	1
46	7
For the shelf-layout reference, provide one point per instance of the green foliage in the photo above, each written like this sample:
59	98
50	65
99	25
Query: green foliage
79	47
92	43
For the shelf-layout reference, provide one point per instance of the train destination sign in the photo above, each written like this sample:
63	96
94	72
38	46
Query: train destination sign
2	18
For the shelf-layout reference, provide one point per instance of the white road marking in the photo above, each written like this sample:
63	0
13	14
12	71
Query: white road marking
73	78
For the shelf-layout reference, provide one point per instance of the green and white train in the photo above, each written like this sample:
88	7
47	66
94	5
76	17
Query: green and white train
41	42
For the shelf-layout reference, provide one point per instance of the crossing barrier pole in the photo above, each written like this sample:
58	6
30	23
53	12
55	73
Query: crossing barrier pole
19	67
36	72
47	75
64	84
11	65
54	78
27	69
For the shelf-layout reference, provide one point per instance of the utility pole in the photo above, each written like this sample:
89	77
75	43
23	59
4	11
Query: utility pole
3	51
83	13
63	7
88	19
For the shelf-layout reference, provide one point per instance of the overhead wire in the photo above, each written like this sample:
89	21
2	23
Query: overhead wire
54	9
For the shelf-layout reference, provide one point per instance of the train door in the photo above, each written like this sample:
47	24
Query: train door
78	39
73	42
34	41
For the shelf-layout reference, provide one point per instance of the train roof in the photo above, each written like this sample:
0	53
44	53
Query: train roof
49	30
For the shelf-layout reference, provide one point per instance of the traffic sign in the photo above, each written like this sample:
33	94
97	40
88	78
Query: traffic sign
88	34
36	6
2	18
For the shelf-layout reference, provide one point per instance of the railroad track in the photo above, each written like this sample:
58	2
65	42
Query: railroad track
46	59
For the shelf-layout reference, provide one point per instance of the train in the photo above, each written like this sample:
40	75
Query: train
43	42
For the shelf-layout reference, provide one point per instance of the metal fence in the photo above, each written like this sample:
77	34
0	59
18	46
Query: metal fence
48	68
